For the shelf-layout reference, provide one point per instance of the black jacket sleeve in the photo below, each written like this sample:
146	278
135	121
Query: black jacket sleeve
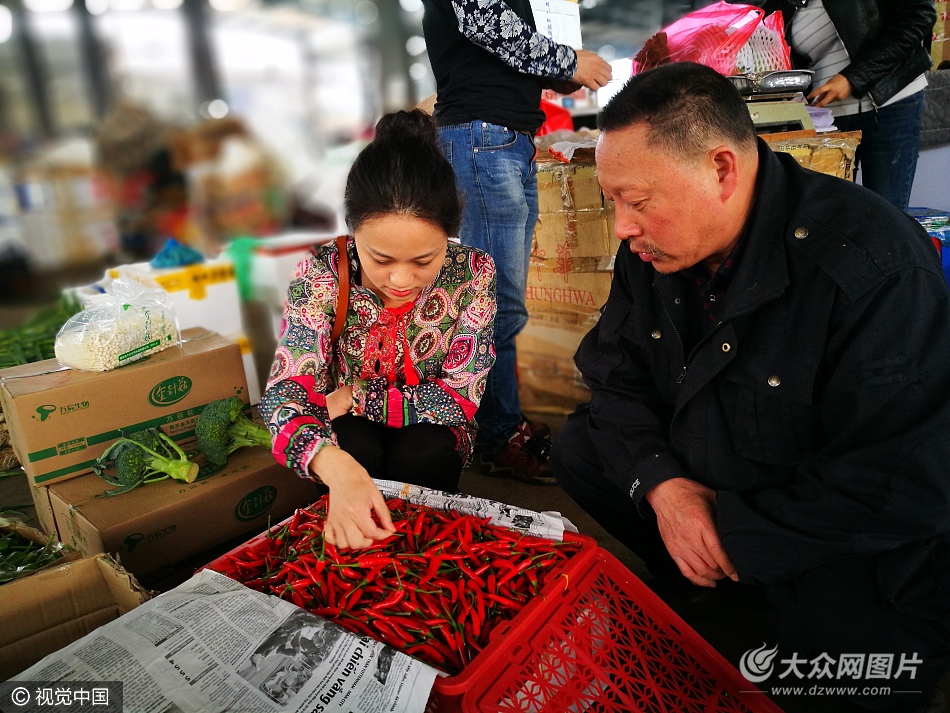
903	26
629	423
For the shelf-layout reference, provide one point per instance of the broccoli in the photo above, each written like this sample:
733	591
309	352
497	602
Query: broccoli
222	428
144	457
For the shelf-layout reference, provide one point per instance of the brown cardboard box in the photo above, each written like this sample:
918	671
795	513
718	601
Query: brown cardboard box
940	51
832	153
548	381
568	186
562	306
162	523
571	235
568	281
61	421
574	221
555	292
49	610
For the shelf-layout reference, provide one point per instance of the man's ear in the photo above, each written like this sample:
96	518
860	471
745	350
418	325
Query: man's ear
727	164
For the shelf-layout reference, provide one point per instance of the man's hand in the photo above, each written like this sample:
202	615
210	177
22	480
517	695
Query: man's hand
353	500
684	515
340	402
592	71
834	89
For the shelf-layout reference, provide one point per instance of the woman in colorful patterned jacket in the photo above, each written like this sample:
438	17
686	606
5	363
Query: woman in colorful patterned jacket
395	396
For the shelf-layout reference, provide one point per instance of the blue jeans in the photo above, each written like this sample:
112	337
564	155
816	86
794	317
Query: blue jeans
495	172
887	154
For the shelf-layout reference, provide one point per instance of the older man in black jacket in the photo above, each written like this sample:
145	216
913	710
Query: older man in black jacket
770	385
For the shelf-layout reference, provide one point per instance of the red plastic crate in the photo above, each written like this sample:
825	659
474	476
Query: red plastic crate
595	639
600	641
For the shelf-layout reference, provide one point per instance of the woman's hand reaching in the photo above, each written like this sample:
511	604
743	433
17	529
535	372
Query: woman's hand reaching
354	498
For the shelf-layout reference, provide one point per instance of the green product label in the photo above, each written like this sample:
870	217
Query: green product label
170	391
138	350
255	503
77	444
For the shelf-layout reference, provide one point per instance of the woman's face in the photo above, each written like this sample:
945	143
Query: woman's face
400	255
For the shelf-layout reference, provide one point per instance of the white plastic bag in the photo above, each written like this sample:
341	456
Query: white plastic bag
133	319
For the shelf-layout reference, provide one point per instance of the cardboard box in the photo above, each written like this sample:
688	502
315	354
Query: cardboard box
62	420
43	613
162	523
832	154
563	306
553	288
940	51
568	186
548	381
570	235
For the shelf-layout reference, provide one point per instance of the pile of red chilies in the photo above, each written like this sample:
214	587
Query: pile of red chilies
435	590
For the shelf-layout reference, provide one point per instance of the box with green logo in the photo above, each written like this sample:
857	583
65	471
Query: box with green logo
163	523
61	420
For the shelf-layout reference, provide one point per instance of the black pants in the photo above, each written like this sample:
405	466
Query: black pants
861	605
421	454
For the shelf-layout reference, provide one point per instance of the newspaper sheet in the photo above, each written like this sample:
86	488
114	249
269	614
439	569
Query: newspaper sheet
540	524
212	645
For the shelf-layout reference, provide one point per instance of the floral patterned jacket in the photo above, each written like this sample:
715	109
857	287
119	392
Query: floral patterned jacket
449	330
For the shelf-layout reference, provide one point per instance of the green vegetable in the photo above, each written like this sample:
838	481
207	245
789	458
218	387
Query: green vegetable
33	340
144	457
20	556
222	428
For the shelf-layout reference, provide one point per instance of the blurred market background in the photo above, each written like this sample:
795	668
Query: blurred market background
127	122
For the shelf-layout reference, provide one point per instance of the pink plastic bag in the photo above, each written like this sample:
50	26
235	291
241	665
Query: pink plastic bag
712	35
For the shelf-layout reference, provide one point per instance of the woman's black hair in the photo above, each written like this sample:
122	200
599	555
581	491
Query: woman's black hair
402	171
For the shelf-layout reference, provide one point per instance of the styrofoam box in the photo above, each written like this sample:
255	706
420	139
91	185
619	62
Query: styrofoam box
203	295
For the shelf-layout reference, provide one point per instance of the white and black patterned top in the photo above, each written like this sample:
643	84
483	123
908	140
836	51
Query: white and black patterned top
494	26
489	62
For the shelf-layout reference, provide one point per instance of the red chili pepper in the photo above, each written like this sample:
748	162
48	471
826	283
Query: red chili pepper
437	587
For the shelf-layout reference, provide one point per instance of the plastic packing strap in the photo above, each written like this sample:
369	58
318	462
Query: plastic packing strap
41	372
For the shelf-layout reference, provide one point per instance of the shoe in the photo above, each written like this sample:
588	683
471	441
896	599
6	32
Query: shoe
524	457
537	429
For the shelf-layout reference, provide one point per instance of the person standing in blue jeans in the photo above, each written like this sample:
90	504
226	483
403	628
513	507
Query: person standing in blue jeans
869	62
490	65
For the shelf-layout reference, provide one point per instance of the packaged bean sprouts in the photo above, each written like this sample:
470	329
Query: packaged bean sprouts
133	319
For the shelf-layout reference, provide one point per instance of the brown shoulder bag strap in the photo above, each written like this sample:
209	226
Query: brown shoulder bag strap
343	298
